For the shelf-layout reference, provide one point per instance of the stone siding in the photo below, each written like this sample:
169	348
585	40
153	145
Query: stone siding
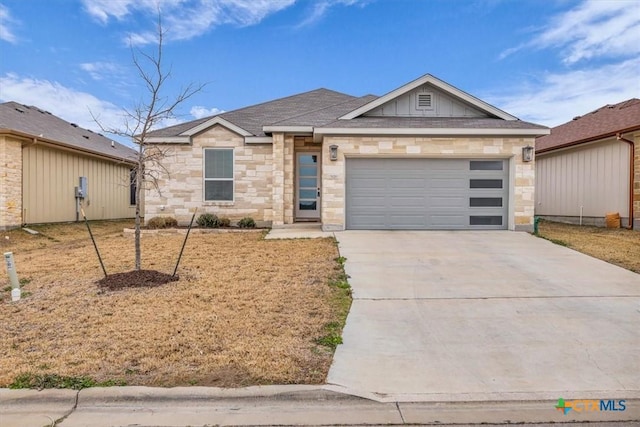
522	175
182	189
10	183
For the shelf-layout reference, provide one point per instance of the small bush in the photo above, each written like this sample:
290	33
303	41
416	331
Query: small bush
170	222
224	222
162	222
247	222
208	220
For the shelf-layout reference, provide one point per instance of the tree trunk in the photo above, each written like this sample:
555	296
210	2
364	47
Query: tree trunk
139	183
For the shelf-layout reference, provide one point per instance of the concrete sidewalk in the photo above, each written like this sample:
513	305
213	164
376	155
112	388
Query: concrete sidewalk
268	405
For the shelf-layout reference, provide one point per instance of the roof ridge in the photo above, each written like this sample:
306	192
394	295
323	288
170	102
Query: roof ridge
282	99
353	98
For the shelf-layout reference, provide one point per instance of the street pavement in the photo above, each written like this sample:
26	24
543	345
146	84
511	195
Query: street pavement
270	405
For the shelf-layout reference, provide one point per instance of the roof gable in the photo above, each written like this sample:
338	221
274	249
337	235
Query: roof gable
455	102
426	101
37	123
602	123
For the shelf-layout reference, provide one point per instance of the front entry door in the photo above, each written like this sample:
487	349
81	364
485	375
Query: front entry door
308	185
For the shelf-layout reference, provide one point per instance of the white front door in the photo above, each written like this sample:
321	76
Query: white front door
308	185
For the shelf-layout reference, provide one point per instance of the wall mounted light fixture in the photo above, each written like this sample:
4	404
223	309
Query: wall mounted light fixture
333	152
527	153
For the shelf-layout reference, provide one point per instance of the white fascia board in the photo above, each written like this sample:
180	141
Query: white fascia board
299	129
216	121
168	139
258	140
444	86
431	131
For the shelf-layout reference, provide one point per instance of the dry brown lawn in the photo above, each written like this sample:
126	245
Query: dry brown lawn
245	311
617	246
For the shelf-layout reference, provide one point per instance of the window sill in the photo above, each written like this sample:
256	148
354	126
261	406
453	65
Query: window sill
220	203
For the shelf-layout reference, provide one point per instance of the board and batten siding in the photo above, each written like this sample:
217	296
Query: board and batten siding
593	176
443	105
49	180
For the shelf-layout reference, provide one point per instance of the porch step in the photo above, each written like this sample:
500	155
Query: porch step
300	225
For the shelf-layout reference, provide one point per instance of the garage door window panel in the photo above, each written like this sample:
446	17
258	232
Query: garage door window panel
485	202
485	220
486	165
485	183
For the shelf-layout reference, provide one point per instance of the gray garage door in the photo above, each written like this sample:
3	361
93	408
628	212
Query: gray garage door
416	194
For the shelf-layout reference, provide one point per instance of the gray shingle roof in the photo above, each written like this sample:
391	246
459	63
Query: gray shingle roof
39	123
253	118
433	123
327	114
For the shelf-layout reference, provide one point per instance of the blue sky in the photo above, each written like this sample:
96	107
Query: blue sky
542	60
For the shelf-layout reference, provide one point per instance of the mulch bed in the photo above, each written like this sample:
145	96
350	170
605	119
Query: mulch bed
136	279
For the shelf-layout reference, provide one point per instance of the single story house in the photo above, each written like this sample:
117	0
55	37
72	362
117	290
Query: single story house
42	159
590	166
424	156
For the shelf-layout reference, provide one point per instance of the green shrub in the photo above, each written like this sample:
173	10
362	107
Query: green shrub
247	222
162	222
208	220
224	222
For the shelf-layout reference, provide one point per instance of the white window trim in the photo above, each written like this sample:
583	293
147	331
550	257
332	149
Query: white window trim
232	179
430	107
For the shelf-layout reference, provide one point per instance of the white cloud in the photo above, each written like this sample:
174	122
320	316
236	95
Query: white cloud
69	104
199	112
556	98
185	19
6	21
321	8
590	30
101	70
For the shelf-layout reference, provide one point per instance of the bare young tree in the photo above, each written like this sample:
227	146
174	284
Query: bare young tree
151	110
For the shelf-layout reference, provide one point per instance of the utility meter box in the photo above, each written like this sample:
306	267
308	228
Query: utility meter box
81	189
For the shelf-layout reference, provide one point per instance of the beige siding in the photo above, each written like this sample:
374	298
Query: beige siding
49	178
594	177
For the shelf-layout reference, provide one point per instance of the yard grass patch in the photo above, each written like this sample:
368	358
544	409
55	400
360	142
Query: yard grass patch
616	246
245	311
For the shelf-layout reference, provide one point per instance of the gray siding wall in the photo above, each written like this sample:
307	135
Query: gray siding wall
443	106
594	176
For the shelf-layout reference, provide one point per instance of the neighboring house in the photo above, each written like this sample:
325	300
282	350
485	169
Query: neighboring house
590	166
425	156
42	158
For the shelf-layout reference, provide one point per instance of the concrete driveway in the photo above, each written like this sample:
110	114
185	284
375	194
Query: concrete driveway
465	316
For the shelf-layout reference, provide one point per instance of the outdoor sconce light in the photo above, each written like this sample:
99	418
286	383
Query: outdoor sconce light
527	153
333	152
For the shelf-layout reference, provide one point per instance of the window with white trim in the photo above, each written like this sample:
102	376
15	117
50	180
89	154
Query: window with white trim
218	174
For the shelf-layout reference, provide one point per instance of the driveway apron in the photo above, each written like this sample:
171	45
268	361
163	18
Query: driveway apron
471	315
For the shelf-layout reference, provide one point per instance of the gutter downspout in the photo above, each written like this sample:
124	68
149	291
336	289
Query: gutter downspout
632	154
